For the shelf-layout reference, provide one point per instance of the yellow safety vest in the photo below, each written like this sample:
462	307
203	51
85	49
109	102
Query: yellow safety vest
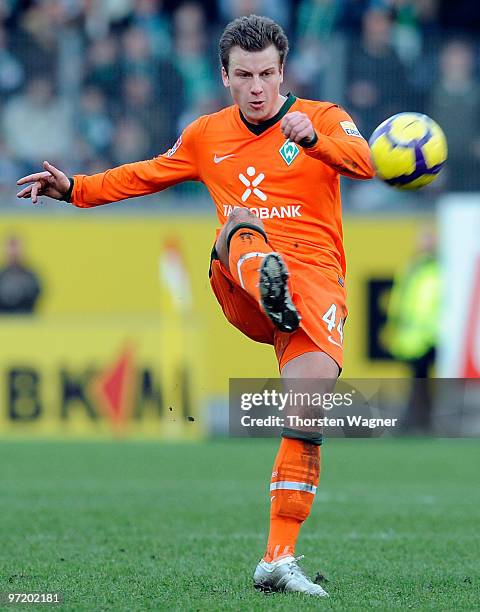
413	311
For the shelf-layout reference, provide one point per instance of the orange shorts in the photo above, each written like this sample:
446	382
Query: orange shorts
319	296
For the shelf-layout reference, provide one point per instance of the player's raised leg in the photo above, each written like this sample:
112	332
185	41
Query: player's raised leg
242	247
294	481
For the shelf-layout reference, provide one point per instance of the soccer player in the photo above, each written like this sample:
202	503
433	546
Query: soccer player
271	163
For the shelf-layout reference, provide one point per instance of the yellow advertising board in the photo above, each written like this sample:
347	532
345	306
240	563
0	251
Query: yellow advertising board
120	377
118	286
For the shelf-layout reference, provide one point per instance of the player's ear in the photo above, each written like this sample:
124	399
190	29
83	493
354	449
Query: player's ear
281	73
225	79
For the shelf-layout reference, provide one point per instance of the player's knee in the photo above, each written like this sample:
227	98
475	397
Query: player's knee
242	219
243	215
238	219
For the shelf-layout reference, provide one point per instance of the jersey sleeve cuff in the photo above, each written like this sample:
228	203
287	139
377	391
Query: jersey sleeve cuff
308	144
68	195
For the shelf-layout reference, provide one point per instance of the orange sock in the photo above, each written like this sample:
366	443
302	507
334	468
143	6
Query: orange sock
247	248
295	477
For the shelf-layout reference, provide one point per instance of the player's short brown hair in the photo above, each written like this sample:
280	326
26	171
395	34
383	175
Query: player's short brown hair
252	33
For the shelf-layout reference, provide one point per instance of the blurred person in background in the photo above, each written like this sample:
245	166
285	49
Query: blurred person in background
102	66
102	16
39	35
455	104
153	89
136	58
37	121
12	72
316	22
140	102
136	55
94	122
193	62
8	168
130	141
20	286
278	10
414	21
377	86
415	36
149	16
84	153
412	326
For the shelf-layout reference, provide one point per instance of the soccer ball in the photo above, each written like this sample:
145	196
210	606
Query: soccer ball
408	150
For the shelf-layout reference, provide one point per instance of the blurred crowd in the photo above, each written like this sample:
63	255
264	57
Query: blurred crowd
89	84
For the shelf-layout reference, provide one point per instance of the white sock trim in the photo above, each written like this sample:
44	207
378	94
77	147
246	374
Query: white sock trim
293	486
244	258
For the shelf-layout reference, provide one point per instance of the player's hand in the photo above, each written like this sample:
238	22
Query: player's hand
297	126
52	183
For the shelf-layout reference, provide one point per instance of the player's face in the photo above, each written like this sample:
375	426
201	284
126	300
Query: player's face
254	80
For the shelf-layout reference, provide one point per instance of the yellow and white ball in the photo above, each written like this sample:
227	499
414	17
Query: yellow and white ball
408	150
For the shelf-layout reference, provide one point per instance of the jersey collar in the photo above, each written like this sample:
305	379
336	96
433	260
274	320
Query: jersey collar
259	128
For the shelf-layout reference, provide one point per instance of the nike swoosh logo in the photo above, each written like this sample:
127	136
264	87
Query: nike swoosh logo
330	339
217	160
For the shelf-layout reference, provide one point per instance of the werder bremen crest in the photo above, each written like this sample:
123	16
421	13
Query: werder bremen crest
289	151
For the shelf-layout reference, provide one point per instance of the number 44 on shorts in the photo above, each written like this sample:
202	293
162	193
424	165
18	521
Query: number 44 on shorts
330	318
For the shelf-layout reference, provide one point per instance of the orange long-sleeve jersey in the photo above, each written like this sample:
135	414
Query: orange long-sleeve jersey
295	190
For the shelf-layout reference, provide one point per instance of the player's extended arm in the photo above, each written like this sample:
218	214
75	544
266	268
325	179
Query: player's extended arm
126	181
130	180
141	178
332	139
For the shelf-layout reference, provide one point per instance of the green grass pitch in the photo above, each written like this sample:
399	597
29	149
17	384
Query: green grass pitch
180	526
